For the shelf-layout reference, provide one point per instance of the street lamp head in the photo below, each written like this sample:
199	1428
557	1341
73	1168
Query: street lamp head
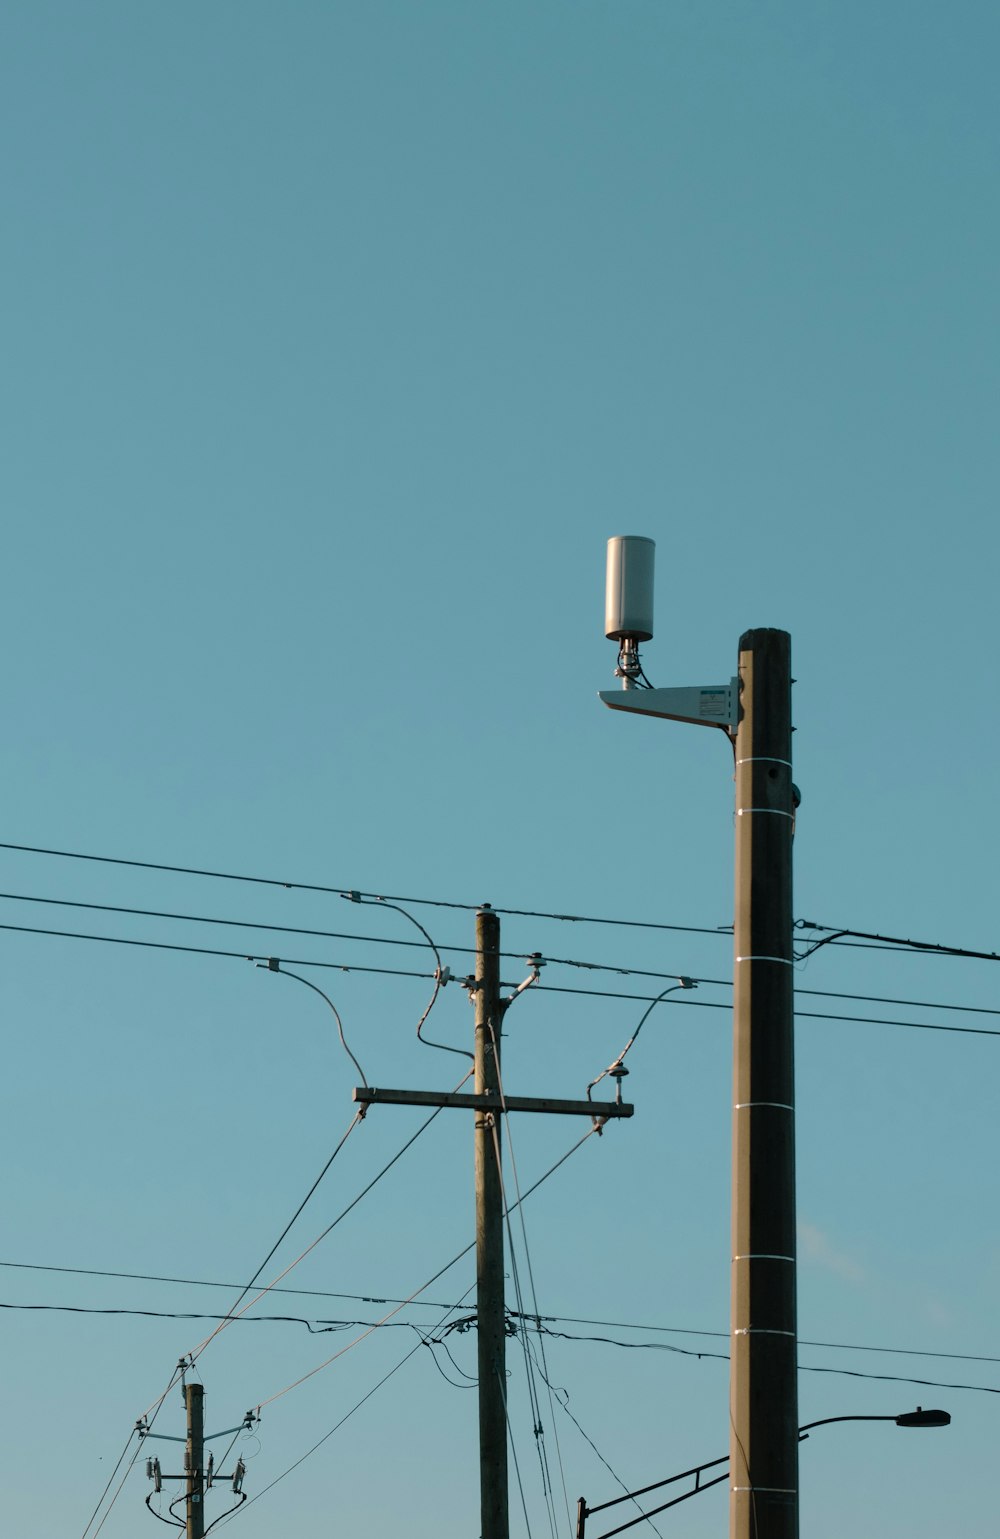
922	1418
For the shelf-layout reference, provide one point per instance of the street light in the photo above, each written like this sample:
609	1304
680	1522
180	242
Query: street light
917	1418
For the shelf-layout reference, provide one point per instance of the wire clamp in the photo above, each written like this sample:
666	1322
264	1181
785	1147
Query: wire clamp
443	975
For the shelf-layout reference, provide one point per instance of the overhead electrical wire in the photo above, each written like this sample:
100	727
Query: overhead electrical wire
430	1342
147	1421
897	942
513	1449
358	1117
851	1373
537	1426
546	988
235	1312
274	966
539	1434
315	1327
337	1425
424	1286
620	969
814	1015
345	890
321	1326
617	1066
835	936
439	973
448	1310
522	1328
562	1396
838	935
118	1464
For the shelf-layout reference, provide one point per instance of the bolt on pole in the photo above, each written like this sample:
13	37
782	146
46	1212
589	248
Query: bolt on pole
489	1235
763	1388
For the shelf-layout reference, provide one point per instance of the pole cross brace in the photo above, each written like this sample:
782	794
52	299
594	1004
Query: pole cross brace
368	1095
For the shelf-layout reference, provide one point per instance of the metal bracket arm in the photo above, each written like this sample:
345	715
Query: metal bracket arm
708	705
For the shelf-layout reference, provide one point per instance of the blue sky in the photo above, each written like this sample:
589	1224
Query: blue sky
338	339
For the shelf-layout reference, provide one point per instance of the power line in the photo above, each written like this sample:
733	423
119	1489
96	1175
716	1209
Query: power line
546	988
618	968
837	935
210	951
314	1327
449	1309
156	1407
562	1395
321	1327
896	942
361	1298
814	1015
199	1282
852	1373
356	1119
839	1346
336	1427
528	1355
424	1286
232	1316
346	891
107	1488
359	1116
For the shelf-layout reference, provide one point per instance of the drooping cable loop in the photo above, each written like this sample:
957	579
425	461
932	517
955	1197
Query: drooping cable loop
274	966
441	974
617	1068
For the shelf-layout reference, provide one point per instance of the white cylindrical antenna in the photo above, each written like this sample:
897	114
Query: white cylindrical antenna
628	602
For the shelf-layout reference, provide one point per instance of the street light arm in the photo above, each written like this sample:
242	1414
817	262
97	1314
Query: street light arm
917	1418
583	1512
826	1420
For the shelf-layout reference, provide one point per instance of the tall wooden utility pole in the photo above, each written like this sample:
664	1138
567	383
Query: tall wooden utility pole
755	710
194	1460
764	1436
490	1315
